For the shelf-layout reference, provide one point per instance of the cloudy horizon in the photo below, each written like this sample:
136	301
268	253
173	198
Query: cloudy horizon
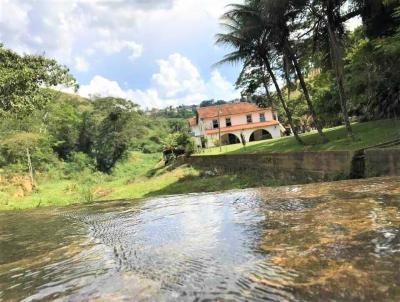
156	53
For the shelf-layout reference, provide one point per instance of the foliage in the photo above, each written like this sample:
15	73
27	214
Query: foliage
179	112
211	102
23	77
14	147
178	143
85	134
373	76
330	76
79	162
111	141
140	175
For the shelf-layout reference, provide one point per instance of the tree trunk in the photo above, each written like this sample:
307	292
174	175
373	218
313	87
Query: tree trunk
28	155
336	53
265	83
286	68
305	91
285	107
267	93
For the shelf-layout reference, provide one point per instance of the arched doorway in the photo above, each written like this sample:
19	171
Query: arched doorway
260	135
229	139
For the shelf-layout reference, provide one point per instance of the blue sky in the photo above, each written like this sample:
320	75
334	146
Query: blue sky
154	52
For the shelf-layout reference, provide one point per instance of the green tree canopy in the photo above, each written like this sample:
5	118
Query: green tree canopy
23	79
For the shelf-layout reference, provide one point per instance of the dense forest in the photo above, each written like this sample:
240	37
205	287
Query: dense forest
298	56
82	133
43	129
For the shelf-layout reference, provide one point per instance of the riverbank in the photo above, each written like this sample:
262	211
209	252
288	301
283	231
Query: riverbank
144	175
141	175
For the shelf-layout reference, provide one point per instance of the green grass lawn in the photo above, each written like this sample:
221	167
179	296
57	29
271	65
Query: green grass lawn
367	134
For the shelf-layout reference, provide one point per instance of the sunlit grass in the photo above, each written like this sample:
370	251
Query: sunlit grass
141	175
367	134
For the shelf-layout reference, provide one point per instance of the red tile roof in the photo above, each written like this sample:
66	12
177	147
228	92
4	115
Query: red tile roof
228	109
244	126
192	121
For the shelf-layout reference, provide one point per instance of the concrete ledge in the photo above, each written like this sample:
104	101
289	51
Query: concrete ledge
382	162
301	166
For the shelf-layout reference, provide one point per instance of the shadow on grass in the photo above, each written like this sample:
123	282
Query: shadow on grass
367	134
161	169
208	181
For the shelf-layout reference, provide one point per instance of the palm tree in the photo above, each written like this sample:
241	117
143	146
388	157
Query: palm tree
328	34
249	38
278	14
335	30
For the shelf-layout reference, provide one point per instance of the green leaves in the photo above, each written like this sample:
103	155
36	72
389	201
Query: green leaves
23	79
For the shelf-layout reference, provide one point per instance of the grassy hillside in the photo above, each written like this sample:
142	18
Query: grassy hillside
367	134
141	175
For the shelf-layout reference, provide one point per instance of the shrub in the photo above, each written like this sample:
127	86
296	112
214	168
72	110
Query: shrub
13	152
78	162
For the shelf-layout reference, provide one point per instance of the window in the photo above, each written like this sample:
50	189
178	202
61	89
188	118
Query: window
249	119
215	124
274	116
262	117
228	122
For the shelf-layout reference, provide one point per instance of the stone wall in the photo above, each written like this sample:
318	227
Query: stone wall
301	166
382	162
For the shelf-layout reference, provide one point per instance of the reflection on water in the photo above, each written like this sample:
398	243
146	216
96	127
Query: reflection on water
334	241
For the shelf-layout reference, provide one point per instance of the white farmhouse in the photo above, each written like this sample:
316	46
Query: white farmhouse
233	122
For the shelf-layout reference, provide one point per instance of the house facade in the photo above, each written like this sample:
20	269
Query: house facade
231	123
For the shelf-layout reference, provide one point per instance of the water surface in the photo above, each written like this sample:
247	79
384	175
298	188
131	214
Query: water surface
321	242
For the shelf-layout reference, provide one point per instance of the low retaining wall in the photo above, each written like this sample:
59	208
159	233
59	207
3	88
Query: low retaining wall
382	162
301	166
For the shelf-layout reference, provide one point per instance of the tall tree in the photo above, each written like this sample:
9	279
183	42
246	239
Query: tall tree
250	38
280	16
23	77
335	34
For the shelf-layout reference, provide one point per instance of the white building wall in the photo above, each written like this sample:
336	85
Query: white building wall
207	124
196	130
275	132
237	119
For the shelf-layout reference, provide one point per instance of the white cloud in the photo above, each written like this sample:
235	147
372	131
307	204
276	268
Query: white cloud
13	16
61	28
113	46
81	64
75	30
67	27
177	82
100	86
177	76
89	51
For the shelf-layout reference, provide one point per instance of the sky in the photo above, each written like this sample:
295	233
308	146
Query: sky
154	52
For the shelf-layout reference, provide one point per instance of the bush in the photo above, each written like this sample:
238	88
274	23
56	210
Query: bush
78	162
179	141
13	152
190	147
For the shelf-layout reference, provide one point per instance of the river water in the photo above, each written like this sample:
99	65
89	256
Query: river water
320	242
